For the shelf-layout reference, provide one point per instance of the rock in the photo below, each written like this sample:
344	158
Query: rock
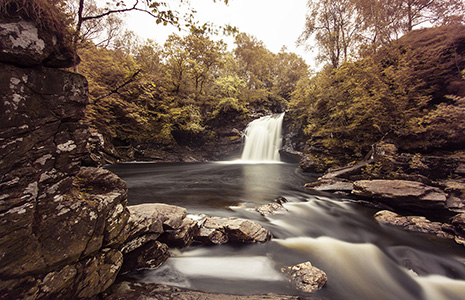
22	43
414	223
141	224
383	149
402	194
270	208
331	185
169	215
290	155
149	254
216	230
60	224
306	277
460	169
131	291
183	236
100	153
97	273
309	165
459	222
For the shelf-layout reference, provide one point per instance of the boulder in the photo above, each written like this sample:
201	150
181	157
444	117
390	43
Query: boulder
216	230
97	273
401	194
170	216
306	277
183	236
415	224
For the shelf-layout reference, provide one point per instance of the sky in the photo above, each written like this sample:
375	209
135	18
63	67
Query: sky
276	23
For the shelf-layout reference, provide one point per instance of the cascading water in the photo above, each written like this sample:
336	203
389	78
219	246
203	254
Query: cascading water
263	139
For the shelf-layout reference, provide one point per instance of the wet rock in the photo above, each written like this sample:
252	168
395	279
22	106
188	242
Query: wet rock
290	155
402	194
306	277
131	291
183	236
270	208
414	223
216	230
149	253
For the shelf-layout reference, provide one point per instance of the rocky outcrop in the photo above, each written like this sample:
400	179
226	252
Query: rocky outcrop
60	224
306	277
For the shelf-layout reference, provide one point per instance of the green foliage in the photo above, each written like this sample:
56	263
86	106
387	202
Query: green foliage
386	96
181	93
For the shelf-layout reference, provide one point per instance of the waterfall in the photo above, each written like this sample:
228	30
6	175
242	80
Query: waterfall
263	139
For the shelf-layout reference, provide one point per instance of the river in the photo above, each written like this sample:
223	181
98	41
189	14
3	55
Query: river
363	260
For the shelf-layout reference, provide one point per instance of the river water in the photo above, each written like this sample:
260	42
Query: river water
363	260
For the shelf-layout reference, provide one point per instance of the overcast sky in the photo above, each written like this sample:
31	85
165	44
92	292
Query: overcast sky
275	22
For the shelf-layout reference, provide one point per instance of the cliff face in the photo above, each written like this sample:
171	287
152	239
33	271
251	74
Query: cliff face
60	225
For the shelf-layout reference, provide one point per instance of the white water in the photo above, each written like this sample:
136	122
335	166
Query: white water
369	273
263	139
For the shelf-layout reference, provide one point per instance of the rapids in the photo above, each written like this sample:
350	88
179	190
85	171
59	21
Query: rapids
363	260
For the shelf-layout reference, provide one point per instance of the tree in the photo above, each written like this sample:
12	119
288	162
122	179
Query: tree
335	28
289	69
100	30
255	61
338	26
205	57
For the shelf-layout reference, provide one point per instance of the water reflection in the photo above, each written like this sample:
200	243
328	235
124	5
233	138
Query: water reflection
261	183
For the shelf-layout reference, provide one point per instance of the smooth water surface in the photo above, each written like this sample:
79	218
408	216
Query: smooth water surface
363	260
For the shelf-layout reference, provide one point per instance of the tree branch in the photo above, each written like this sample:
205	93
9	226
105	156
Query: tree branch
115	90
110	12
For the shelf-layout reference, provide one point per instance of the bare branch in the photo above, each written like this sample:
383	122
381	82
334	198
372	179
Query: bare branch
115	90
